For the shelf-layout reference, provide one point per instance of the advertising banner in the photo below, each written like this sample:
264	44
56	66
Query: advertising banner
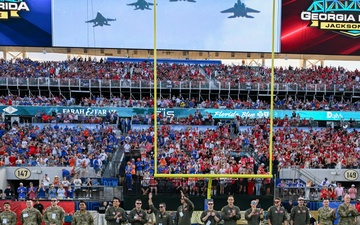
328	27
25	23
180	112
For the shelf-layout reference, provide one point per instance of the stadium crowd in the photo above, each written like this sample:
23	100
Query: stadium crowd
91	69
54	145
197	151
300	76
98	70
230	151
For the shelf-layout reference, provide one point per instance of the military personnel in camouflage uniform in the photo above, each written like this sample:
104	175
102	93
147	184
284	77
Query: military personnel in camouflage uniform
82	217
54	214
300	214
326	214
115	215
30	215
276	214
7	216
347	212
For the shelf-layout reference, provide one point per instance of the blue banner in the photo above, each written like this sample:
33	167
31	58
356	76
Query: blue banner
26	23
110	182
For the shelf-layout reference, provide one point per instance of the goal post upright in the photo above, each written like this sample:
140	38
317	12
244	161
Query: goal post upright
155	96
272	88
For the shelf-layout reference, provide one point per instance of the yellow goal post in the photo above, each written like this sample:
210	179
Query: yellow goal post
214	176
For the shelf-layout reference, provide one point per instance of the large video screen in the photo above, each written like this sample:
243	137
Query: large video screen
320	27
214	25
25	23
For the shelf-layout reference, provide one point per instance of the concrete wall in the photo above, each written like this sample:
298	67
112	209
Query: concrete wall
318	175
3	182
37	173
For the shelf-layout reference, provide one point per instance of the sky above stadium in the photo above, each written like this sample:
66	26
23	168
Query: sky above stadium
180	25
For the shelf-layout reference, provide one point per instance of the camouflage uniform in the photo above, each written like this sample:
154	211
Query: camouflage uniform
82	218
326	216
8	217
54	215
31	216
347	216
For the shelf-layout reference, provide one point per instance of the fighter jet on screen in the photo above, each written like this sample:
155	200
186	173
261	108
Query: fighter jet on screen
141	4
182	0
100	20
240	10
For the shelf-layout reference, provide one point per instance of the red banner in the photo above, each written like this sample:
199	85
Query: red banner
320	27
18	206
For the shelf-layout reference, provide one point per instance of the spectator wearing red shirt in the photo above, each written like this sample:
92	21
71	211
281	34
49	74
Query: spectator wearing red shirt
153	185
324	193
12	159
357	205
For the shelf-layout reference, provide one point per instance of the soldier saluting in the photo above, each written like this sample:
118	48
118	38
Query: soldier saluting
347	212
326	214
162	217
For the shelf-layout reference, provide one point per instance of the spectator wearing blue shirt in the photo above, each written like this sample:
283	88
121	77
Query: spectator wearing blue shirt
97	165
139	167
41	191
66	173
128	125
21	192
52	192
151	169
146	166
128	175
194	154
70	193
161	169
2	132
